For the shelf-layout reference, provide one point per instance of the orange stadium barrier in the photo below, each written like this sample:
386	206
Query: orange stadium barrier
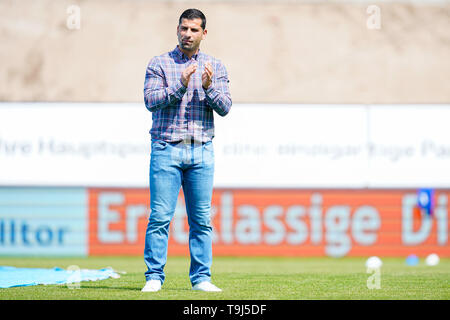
251	222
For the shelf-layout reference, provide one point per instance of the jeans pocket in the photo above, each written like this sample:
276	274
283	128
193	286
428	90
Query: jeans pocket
208	152
209	146
159	145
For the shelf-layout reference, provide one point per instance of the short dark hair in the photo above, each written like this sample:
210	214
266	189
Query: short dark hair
193	14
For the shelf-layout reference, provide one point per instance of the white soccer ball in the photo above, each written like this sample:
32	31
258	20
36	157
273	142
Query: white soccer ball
374	262
432	259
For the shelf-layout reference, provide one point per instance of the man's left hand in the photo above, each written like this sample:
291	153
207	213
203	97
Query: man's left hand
207	75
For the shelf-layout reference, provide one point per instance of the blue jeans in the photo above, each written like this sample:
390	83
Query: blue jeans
172	166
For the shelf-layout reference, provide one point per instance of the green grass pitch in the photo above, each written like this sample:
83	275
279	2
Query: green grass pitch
252	278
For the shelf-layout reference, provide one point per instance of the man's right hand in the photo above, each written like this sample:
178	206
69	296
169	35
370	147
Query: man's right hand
187	73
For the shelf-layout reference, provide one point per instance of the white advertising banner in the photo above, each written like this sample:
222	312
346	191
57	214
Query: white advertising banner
74	144
292	146
255	145
409	146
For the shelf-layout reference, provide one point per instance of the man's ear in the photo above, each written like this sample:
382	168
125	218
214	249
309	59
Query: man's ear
204	34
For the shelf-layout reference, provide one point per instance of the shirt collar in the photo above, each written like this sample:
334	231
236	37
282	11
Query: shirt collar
181	55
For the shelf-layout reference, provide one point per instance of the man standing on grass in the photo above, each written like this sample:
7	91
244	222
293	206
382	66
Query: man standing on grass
182	88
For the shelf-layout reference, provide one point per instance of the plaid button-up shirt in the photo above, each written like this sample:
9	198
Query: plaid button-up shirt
179	112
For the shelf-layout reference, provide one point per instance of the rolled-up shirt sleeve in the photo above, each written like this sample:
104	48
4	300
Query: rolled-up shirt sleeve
157	94
218	93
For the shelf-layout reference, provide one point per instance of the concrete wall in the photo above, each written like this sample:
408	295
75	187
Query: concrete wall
278	52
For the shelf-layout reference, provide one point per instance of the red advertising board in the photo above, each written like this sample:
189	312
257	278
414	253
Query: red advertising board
278	222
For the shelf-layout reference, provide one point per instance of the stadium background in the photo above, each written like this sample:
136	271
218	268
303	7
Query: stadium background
62	88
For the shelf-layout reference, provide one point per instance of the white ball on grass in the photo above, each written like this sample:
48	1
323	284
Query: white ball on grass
432	260
374	262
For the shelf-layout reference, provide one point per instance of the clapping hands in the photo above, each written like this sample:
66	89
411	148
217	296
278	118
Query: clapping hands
206	75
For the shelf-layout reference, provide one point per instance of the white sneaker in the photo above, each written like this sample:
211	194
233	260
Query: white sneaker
152	286
206	286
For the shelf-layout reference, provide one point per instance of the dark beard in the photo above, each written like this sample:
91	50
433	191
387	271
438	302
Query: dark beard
187	48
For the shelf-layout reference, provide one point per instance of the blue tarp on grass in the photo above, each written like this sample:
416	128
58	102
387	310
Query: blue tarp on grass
20	277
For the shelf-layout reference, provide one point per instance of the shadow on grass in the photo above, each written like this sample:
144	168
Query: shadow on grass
131	288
